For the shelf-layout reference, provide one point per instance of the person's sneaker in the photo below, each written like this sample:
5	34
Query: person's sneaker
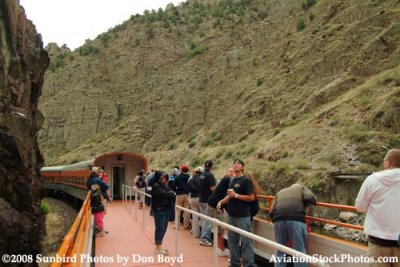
99	234
161	252
224	253
205	243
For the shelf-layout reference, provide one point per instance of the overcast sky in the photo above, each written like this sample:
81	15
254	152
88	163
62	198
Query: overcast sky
71	22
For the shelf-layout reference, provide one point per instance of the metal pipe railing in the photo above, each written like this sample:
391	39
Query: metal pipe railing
264	241
270	200
216	223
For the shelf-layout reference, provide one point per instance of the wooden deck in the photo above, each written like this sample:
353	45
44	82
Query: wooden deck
128	244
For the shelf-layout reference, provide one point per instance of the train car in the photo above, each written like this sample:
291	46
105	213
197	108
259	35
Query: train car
121	168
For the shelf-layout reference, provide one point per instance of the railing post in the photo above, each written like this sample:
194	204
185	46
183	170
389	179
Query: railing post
130	199
215	232
144	215
143	199
123	194
136	206
176	223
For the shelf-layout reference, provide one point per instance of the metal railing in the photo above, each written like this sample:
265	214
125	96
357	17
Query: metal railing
270	199
128	198
217	223
79	239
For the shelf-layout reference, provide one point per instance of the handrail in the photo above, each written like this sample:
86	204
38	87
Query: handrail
262	240
216	223
270	200
76	239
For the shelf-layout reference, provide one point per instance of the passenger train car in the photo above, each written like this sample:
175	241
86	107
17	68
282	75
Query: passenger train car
121	168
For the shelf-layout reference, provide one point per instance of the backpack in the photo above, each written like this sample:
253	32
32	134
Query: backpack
141	182
96	201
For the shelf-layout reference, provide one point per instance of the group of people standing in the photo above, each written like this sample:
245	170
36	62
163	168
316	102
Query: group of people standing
235	193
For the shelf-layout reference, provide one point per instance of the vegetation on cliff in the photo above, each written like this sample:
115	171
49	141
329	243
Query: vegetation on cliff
296	88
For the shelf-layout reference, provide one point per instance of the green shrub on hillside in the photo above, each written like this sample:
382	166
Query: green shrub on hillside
119	27
307	4
192	144
104	38
196	51
88	49
359	136
394	142
206	142
172	146
44	206
58	61
149	32
300	25
260	81
262	14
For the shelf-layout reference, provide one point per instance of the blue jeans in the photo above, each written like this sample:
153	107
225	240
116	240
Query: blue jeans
161	223
247	243
205	225
294	231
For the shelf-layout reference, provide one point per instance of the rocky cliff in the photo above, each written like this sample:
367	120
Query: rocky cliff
296	88
22	65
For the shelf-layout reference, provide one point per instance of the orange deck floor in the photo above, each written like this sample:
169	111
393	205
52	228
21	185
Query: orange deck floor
127	244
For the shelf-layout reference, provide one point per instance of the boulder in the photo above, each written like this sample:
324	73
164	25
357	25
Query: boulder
347	216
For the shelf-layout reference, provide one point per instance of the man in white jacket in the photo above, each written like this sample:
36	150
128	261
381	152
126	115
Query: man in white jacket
379	197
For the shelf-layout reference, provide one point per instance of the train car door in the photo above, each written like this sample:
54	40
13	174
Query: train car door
118	178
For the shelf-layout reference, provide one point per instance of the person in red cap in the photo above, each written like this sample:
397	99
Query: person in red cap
182	193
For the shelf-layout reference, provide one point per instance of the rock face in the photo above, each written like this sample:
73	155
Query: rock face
180	82
22	65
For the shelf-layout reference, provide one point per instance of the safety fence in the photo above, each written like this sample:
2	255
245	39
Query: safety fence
127	199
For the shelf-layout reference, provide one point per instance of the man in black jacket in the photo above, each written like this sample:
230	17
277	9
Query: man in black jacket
207	186
193	187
